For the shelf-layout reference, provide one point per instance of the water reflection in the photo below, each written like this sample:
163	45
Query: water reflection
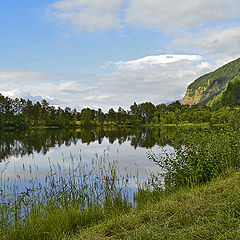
23	153
20	143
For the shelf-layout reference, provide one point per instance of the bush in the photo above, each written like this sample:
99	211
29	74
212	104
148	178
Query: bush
202	156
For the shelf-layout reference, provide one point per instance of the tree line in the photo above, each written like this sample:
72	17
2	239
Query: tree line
20	113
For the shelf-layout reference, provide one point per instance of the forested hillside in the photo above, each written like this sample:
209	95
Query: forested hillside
231	97
206	88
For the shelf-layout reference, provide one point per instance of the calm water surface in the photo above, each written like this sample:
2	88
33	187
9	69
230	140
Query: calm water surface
25	154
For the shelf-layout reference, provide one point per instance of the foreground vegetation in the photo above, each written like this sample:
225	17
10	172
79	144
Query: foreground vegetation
69	198
199	199
211	211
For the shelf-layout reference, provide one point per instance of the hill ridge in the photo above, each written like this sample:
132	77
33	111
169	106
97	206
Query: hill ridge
207	87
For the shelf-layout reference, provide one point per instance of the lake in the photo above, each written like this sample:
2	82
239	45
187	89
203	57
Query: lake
28	154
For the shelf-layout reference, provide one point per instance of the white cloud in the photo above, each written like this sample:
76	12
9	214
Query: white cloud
220	41
156	84
57	89
88	15
17	93
220	45
104	15
153	61
181	13
204	65
95	97
12	93
20	75
161	84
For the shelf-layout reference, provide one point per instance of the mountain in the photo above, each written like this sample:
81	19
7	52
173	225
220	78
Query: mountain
209	88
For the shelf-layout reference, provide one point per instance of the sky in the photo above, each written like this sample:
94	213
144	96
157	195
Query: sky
111	53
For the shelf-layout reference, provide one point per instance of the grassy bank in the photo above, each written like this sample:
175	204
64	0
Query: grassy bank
211	211
200	198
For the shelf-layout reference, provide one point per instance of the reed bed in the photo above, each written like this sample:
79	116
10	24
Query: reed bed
69	197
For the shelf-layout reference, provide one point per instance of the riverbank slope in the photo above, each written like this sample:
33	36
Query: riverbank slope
211	211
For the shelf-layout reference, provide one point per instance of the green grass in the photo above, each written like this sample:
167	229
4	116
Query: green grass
69	198
200	199
201	157
211	211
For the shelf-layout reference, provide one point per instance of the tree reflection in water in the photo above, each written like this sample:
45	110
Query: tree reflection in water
19	143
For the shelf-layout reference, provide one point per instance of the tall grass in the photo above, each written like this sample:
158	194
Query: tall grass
203	156
80	195
66	200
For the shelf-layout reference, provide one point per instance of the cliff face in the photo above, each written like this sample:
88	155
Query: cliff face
206	88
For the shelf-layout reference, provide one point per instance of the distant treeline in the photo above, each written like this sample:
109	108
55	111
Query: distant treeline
20	113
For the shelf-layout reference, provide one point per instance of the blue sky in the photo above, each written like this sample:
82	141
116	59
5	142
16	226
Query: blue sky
110	53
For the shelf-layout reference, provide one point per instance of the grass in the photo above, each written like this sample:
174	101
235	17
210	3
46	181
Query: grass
203	156
200	198
211	211
68	198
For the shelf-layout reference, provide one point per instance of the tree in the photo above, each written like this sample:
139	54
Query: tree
111	115
100	116
86	116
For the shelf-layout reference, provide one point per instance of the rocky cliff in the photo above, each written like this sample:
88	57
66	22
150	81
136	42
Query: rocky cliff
208	87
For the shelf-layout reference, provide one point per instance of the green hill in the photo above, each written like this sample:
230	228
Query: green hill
231	96
207	88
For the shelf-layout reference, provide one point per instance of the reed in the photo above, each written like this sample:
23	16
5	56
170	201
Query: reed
69	197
